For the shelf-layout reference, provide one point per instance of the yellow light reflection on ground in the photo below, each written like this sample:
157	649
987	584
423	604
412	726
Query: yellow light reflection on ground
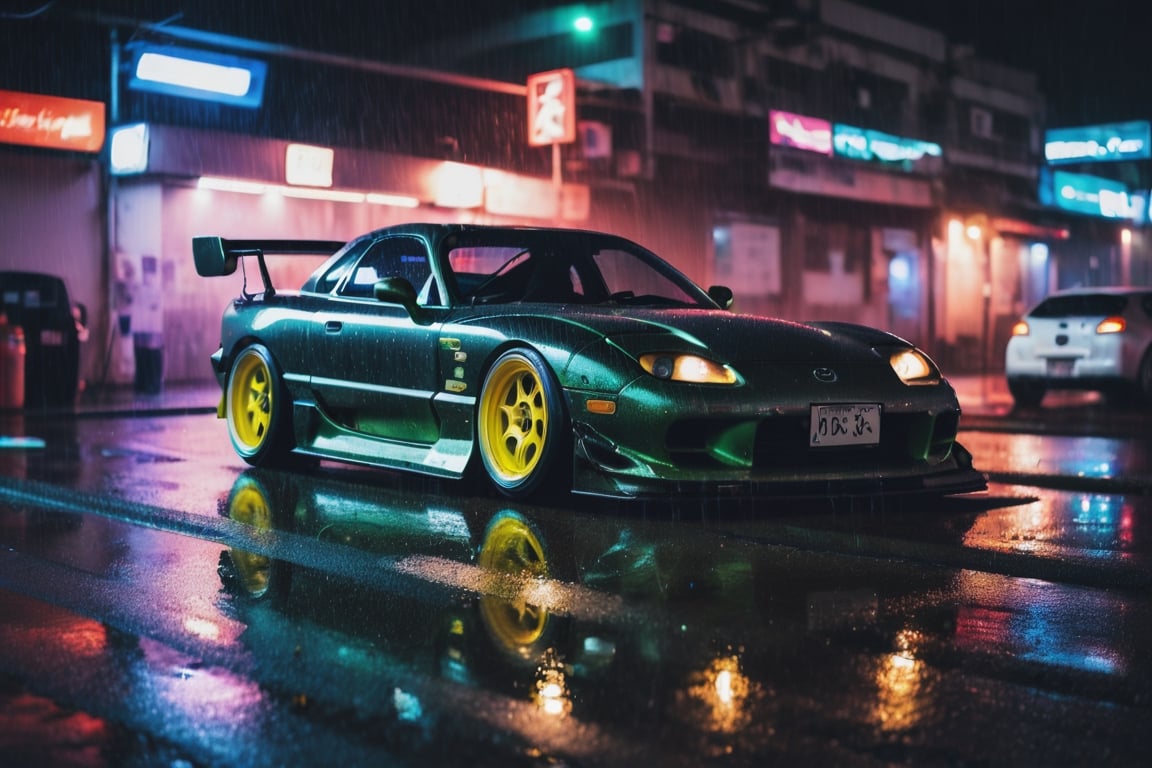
902	685
721	694
551	693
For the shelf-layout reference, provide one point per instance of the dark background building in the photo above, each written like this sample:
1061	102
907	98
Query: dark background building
824	158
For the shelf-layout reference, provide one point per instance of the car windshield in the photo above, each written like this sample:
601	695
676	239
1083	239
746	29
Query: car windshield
566	270
1081	305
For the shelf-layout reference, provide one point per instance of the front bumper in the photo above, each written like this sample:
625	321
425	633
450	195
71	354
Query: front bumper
598	470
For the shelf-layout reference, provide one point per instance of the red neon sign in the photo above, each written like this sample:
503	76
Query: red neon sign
791	130
552	108
50	121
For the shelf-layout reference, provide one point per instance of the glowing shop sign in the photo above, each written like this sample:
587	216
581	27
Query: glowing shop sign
1093	195
196	74
1099	143
308	165
868	145
787	129
49	121
129	149
552	108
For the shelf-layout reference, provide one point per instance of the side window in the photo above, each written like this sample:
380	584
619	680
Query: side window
335	275
391	257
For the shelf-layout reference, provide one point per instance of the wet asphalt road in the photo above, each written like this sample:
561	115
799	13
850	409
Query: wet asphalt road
162	604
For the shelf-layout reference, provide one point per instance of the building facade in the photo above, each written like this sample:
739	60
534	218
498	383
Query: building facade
830	161
824	160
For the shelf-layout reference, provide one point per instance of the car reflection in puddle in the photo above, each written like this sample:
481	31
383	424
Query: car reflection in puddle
556	615
581	635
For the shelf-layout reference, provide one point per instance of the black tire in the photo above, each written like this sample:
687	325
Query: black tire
258	409
1026	394
522	431
1143	386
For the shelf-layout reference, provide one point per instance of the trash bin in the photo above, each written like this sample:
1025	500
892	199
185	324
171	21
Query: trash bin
12	353
39	304
148	348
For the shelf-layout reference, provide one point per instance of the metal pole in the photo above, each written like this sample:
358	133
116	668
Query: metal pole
986	246
108	201
557	180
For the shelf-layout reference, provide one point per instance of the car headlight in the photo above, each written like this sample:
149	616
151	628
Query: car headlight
690	368
913	367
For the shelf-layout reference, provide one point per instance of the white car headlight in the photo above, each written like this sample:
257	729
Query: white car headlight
689	368
913	367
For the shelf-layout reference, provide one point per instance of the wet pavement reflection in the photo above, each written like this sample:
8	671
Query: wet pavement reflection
241	616
708	644
1071	526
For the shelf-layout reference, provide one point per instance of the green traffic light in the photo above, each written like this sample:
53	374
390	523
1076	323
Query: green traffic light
583	24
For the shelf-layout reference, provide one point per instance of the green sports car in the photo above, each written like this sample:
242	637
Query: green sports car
551	360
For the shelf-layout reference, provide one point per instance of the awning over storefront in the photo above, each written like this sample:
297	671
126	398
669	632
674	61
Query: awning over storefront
182	152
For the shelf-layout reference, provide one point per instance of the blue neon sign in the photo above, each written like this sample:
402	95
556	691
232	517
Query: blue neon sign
1099	143
196	74
874	146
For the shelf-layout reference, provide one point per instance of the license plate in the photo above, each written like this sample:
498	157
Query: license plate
851	424
1060	367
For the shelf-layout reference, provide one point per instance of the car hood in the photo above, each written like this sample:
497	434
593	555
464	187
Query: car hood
729	337
747	338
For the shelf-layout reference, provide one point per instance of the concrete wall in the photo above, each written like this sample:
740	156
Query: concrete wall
51	221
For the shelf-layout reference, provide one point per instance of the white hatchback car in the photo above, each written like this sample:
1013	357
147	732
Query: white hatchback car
1085	339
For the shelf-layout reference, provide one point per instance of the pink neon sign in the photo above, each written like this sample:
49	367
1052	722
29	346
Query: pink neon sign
787	129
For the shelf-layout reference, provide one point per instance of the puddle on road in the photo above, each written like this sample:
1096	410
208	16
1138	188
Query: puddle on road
1062	524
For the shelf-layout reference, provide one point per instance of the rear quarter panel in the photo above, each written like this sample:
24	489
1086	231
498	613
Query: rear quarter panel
280	323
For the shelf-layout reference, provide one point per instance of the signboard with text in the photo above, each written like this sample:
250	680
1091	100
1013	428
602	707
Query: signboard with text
1092	195
552	108
1099	143
51	121
787	129
868	145
308	165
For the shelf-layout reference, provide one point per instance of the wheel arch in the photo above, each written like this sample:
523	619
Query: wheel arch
562	419
241	343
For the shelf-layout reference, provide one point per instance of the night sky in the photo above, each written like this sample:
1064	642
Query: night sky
1091	56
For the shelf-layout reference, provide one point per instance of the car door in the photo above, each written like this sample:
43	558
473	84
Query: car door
374	368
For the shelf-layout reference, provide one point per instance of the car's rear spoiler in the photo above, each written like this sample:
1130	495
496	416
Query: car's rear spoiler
216	256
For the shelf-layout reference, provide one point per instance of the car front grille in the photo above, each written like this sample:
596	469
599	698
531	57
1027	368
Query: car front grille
782	442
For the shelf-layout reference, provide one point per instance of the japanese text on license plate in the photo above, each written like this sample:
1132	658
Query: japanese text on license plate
852	424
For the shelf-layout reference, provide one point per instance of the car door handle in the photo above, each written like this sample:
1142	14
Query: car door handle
333	326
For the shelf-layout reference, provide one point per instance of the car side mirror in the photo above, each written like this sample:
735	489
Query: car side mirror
722	295
397	290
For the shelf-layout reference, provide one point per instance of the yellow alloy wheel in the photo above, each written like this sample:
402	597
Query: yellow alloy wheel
248	504
512	548
250	400
258	409
514	421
